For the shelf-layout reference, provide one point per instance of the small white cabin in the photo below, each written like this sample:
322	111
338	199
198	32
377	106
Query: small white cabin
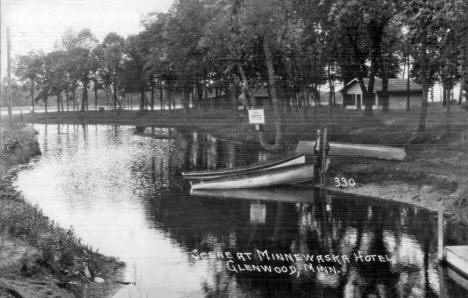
352	94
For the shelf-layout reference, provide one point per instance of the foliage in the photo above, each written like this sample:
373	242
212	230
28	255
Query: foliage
237	46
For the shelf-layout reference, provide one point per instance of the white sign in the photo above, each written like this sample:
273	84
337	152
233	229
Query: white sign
256	116
257	213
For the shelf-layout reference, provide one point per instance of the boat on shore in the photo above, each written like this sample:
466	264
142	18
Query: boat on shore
291	174
209	174
355	150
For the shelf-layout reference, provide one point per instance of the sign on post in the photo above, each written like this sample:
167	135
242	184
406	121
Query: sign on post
256	116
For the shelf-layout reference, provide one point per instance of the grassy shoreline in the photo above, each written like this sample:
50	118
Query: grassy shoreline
436	168
37	257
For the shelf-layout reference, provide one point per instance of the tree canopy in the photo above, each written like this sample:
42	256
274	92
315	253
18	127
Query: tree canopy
235	47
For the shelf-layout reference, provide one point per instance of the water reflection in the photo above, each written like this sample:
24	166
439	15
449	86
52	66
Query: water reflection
338	226
120	189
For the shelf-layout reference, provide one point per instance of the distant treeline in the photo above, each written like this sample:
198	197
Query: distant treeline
233	47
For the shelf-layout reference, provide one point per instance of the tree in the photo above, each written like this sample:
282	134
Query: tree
42	80
55	76
113	47
135	76
97	56
362	23
184	31
81	63
426	23
28	69
266	21
229	51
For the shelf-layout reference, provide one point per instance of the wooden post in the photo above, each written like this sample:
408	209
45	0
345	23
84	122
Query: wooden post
442	286
324	155
440	232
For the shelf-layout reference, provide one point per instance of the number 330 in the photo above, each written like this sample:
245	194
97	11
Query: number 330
343	182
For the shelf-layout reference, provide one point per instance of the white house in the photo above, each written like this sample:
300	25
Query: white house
352	94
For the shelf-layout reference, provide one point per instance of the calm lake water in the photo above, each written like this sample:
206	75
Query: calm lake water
119	188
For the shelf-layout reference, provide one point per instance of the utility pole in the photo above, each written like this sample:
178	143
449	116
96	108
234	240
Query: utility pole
1	85
9	76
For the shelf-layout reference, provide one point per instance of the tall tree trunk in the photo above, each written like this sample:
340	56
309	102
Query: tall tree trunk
152	96
444	95
185	103
376	33
200	93
245	86
32	95
432	93
161	100
169	98
114	94
84	101
233	100
460	95
368	98
274	99
95	96
74	99
44	98
384	95
58	102
448	110
107	98
408	86
205	96
142	99
194	96
211	103
424	104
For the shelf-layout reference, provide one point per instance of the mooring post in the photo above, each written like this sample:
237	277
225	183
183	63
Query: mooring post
324	155
440	232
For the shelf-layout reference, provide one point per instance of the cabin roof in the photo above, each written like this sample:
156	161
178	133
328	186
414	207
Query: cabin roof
394	85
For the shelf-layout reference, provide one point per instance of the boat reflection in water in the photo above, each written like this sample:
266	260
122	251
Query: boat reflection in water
284	194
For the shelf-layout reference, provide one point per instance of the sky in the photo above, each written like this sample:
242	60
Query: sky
38	24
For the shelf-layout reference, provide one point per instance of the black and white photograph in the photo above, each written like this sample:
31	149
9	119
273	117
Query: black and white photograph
233	148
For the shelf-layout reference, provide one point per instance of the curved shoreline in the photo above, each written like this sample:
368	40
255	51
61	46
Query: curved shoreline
29	265
393	192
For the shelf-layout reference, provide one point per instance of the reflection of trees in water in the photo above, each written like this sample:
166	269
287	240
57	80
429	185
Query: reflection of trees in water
376	226
200	151
338	226
151	171
181	151
323	226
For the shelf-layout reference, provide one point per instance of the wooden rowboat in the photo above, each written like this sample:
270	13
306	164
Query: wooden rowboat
260	178
358	150
200	175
